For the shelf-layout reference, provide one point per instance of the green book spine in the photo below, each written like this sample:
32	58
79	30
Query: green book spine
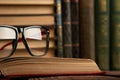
102	33
75	28
115	34
59	28
67	35
87	43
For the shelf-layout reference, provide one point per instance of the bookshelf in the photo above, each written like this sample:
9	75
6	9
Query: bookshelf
54	15
42	12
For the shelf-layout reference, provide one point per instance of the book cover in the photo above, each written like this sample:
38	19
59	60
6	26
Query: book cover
75	28
87	43
114	35
59	28
67	33
102	27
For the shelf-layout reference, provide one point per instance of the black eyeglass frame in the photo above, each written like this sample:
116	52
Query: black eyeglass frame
15	41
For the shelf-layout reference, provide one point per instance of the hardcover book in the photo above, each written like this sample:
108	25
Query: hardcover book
102	34
26	2
26	10
27	20
67	33
87	43
38	66
59	28
75	28
115	35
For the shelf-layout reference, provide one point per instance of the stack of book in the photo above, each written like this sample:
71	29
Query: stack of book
29	12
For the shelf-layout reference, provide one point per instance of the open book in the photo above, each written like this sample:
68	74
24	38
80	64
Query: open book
36	66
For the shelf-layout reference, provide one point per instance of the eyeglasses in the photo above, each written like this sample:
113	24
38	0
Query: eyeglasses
34	38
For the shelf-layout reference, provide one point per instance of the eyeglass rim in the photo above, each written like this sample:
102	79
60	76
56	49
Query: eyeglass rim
24	40
47	40
15	40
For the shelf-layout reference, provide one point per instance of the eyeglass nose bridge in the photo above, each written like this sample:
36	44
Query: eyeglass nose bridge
20	29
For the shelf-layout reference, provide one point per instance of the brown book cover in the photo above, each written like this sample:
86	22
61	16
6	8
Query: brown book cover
87	48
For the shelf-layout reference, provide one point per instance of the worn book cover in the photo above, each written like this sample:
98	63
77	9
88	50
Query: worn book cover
102	36
67	34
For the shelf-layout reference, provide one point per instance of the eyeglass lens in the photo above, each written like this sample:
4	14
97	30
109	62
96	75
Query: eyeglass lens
35	38
7	35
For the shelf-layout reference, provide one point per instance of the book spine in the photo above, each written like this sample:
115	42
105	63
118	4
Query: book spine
6	10
75	28
59	28
67	35
26	2
87	43
115	34
26	20
102	33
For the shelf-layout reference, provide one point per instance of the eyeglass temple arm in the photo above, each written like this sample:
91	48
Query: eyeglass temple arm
10	43
5	46
47	42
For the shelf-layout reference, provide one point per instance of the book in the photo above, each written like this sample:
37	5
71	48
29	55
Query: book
24	53
35	44
114	35
102	37
26	2
67	33
59	28
27	20
38	66
86	33
75	28
26	9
